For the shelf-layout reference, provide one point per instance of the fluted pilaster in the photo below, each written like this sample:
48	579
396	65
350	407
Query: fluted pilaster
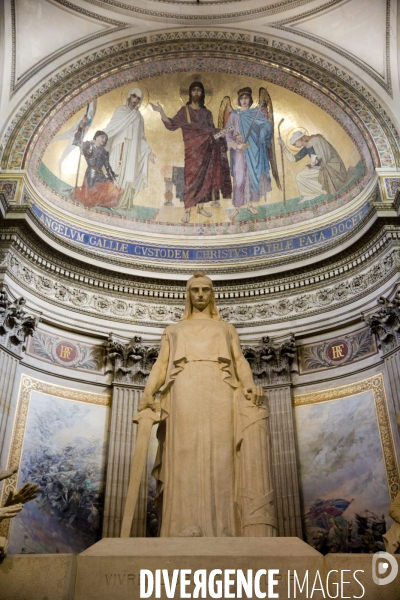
272	364
131	364
8	367
15	327
284	462
121	448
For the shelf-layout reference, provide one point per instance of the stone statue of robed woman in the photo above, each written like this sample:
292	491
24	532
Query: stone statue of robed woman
213	466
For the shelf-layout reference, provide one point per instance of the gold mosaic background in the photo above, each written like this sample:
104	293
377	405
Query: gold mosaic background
168	146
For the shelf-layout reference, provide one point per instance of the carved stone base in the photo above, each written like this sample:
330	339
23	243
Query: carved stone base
111	568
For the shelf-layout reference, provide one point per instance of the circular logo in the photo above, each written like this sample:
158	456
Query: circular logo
337	351
65	352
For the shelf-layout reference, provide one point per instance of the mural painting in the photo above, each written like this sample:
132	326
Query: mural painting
64	453
240	154
343	477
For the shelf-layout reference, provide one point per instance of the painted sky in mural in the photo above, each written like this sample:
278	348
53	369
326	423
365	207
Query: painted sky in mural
160	168
343	480
64	453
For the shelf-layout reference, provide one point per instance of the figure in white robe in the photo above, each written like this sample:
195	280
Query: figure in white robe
129	150
325	174
213	466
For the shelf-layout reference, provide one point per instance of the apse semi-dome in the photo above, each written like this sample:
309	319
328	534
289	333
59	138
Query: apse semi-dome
314	193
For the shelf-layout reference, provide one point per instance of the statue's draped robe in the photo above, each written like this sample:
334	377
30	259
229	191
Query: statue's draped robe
204	419
129	152
206	161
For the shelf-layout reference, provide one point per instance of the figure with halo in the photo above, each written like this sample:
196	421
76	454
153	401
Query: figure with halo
251	144
213	465
325	174
206	164
129	151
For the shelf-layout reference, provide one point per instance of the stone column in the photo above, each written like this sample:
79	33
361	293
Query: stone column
131	364
271	366
15	327
385	324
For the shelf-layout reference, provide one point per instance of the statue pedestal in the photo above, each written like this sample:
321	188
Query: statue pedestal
111	568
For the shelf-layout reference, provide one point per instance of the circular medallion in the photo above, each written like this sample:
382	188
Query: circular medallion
65	352
338	351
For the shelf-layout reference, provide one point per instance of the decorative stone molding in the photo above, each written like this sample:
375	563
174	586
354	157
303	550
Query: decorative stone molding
306	296
132	361
271	362
15	324
385	323
67	353
336	352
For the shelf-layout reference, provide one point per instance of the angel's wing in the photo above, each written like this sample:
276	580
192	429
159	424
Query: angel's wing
268	112
224	111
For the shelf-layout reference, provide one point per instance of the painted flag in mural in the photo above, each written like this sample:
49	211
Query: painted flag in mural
321	510
70	134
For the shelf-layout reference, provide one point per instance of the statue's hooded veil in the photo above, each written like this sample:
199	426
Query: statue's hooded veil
200	277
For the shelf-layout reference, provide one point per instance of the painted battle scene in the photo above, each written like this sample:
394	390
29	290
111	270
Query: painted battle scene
201	153
64	453
343	481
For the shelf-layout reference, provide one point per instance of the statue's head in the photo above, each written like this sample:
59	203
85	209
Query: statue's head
199	288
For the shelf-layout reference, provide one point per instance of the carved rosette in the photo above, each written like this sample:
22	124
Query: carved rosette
131	362
15	324
385	323
271	362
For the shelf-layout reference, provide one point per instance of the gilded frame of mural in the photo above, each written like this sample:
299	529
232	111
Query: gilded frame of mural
376	385
27	386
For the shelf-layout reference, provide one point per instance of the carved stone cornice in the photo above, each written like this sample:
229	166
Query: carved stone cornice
15	324
271	362
260	301
385	323
131	362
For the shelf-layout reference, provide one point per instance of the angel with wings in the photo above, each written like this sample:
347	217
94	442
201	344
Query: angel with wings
251	144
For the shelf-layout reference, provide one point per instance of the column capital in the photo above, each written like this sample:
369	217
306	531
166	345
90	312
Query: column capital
131	361
271	361
16	324
385	322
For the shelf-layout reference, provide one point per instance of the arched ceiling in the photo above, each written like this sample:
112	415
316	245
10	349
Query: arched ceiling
359	34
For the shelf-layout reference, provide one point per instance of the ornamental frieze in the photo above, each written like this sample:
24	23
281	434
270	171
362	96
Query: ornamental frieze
254	309
335	352
66	352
